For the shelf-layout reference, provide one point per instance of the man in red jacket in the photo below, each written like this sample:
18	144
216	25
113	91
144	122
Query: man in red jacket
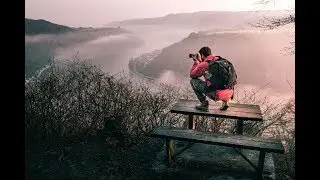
198	69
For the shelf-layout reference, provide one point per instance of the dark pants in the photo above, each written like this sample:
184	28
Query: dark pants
200	88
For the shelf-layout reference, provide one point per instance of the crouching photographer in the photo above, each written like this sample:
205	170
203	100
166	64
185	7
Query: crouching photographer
220	78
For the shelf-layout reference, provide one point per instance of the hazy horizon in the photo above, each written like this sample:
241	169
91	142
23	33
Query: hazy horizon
234	38
97	13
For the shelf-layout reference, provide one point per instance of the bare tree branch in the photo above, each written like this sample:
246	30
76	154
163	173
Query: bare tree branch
273	23
290	85
264	2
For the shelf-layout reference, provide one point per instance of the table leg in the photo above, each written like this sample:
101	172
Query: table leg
239	129
169	151
191	122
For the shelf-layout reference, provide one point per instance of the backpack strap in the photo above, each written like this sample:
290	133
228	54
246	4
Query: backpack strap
219	58
213	59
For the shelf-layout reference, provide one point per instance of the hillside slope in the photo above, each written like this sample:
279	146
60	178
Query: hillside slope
43	38
34	27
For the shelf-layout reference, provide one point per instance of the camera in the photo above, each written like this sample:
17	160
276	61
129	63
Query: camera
192	55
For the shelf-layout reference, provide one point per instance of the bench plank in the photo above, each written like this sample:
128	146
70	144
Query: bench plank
230	140
235	111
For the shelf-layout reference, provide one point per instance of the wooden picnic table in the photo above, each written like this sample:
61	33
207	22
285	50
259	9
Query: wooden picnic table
239	112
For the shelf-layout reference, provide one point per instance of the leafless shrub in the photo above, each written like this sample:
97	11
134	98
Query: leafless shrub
75	99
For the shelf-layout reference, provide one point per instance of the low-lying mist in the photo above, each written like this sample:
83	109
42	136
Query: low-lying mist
258	56
113	52
40	49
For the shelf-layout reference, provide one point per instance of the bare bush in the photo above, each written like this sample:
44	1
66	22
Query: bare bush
75	99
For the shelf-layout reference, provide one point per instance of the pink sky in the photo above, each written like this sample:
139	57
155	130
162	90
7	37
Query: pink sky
99	12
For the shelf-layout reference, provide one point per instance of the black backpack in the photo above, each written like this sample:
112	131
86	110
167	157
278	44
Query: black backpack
221	74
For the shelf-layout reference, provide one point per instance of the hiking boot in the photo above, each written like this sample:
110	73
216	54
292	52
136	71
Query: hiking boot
203	106
224	106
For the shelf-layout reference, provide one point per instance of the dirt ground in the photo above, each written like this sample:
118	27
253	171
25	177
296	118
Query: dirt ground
97	159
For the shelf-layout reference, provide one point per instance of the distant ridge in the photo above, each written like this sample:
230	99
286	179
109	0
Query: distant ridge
211	18
40	26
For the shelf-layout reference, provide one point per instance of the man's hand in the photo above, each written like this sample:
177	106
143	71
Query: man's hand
197	58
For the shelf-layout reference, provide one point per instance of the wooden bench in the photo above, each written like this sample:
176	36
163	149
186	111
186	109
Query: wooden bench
221	139
239	112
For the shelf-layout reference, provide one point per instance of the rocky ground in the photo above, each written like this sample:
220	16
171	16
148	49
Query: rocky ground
97	159
92	159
